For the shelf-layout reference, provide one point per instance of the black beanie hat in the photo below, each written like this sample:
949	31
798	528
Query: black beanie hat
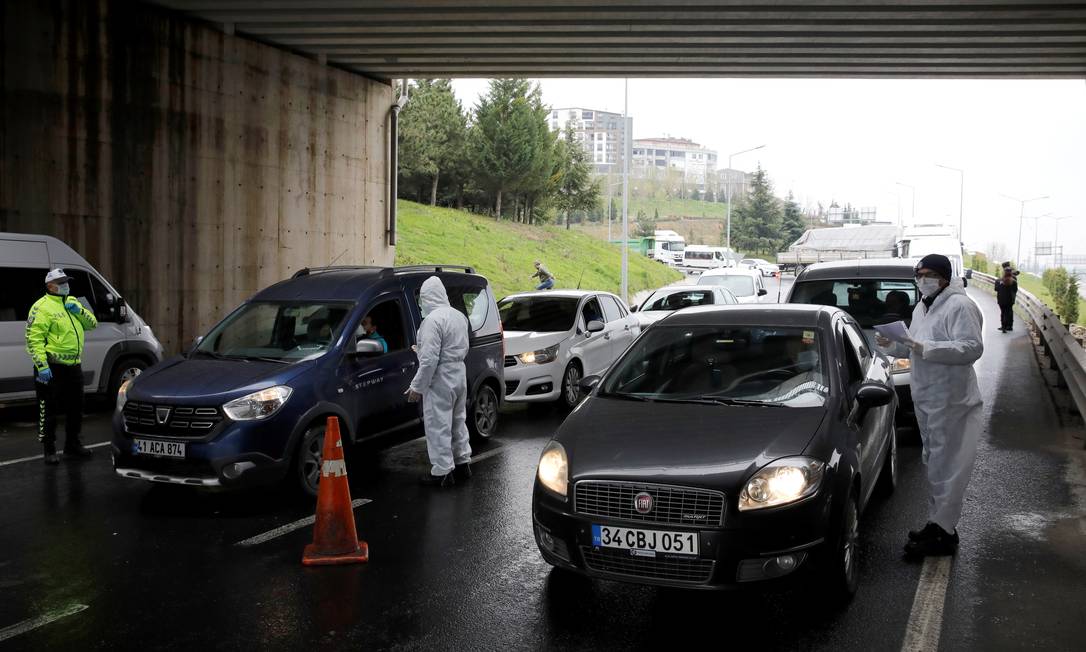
937	263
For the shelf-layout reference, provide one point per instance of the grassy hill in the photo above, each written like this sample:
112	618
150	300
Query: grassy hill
504	251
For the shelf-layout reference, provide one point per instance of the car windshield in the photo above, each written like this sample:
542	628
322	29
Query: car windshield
274	331
726	364
869	302
677	300
740	285
538	314
673	246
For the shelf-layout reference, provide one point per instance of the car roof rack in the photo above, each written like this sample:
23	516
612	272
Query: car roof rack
433	268
306	271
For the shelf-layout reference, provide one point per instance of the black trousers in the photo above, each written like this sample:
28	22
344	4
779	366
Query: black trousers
1006	317
63	392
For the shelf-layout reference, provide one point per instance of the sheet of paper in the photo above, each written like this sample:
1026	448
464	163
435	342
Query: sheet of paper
894	331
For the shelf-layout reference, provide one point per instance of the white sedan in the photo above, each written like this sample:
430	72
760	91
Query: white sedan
763	266
663	302
553	338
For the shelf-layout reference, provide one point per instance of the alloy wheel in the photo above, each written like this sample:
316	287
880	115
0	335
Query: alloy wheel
486	411
572	391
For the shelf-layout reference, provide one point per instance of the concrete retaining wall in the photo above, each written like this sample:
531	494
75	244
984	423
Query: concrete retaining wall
192	168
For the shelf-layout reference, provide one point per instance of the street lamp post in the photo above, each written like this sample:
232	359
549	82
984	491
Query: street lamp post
1057	259
912	201
626	145
1021	218
728	189
961	194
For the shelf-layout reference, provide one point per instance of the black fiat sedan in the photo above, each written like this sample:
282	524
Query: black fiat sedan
728	445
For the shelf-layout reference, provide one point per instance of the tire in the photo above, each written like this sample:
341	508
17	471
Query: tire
840	559
483	413
571	393
124	369
887	481
307	460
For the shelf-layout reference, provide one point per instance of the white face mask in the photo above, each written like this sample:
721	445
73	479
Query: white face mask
62	289
928	286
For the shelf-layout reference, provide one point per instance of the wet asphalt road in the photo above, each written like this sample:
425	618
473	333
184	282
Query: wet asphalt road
158	567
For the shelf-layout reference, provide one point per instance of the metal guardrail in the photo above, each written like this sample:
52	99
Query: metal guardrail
1066	354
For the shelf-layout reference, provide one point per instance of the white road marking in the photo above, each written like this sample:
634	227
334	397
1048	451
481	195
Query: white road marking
38	457
33	623
490	453
290	527
926	619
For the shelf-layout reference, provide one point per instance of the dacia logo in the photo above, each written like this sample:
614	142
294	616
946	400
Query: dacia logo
162	415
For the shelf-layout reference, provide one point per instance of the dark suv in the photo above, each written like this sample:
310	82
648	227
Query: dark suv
248	403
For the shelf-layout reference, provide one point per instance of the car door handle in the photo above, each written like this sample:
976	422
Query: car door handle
607	336
407	367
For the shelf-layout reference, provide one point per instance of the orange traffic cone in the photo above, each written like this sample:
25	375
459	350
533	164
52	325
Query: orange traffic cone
335	540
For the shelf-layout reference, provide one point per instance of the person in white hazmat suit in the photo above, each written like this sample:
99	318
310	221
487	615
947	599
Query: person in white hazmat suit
441	383
945	341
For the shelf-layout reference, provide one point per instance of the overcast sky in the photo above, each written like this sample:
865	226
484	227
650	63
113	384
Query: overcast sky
851	140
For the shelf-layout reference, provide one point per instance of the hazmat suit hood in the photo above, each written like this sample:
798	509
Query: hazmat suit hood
432	296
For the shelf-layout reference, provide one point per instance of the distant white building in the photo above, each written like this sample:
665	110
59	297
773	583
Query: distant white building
733	183
656	156
599	132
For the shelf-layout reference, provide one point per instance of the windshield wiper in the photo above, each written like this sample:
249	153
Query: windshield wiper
625	397
720	400
258	358
211	354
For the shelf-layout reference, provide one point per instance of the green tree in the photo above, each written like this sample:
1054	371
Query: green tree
646	226
792	223
756	218
433	132
574	187
510	141
1067	302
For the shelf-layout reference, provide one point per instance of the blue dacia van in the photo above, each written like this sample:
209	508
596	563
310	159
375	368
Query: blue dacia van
248	402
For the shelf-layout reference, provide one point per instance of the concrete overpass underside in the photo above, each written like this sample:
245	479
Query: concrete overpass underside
689	38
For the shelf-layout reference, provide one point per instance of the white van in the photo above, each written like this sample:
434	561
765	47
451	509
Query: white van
949	246
121	347
705	257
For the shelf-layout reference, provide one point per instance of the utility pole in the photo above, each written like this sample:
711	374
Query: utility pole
961	195
626	146
1021	218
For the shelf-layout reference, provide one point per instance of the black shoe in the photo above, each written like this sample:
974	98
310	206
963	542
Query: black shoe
462	471
51	459
933	541
442	481
78	451
1003	330
929	530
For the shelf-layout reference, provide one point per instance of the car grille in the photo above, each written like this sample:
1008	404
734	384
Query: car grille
673	569
182	422
670	505
510	361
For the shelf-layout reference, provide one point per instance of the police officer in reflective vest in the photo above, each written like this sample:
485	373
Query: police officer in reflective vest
54	339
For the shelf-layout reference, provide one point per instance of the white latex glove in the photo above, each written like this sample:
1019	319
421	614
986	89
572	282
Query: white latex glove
917	347
884	342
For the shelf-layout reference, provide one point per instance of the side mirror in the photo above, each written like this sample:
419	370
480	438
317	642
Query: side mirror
195	343
587	384
968	273
633	308
595	326
122	312
366	348
762	292
871	395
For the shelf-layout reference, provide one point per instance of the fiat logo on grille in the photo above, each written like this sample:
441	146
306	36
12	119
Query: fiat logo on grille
643	503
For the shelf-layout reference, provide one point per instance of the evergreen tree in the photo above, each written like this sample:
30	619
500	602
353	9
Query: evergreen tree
574	187
792	223
511	143
756	218
646	226
432	134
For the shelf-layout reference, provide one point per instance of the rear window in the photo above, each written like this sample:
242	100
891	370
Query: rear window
679	300
740	285
869	302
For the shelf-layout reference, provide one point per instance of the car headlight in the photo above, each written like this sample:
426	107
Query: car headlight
782	482
554	469
258	405
900	365
122	394
542	356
